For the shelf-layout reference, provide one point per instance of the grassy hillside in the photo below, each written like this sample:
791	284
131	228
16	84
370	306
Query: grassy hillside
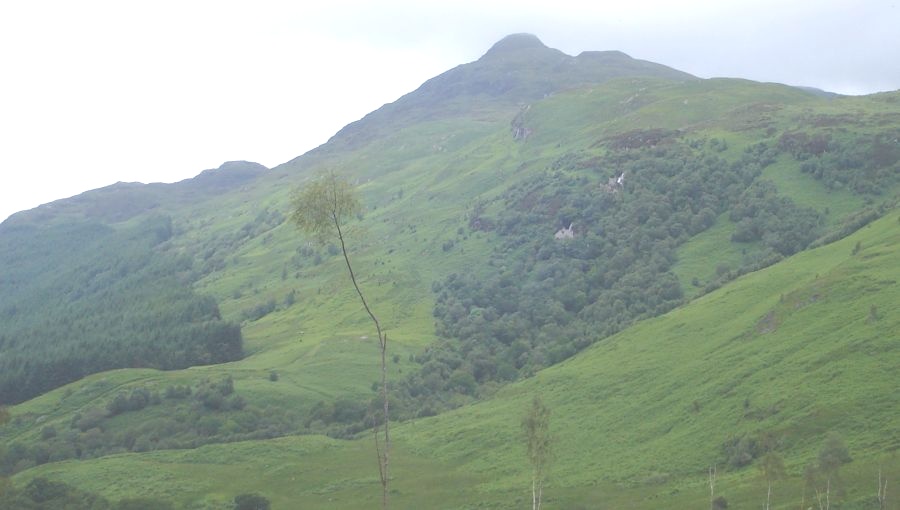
793	350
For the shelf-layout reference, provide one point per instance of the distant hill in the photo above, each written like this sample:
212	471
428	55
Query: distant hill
820	92
124	200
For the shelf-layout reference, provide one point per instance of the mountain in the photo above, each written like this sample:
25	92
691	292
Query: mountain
517	70
125	200
629	241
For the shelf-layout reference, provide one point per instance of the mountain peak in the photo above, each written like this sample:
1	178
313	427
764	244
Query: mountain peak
516	42
518	69
245	166
230	173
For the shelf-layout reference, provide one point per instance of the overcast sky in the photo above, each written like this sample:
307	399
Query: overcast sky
95	92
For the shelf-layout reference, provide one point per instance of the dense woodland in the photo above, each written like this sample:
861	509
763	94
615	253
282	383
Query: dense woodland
865	164
121	300
546	298
541	299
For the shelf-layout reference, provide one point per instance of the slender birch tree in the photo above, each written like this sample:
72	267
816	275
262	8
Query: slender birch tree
539	446
322	209
771	467
881	493
712	474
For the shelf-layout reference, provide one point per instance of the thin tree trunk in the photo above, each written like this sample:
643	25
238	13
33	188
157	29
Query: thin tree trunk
387	437
827	504
533	491
383	454
828	494
540	494
768	495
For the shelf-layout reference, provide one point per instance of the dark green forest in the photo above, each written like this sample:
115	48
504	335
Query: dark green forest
119	300
546	298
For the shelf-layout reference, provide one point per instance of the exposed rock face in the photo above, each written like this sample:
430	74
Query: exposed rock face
615	184
565	233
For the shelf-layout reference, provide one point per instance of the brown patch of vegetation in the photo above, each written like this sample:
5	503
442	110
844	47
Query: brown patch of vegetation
767	324
798	142
826	120
640	138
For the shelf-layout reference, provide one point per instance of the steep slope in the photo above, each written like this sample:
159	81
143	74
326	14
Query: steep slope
795	350
516	71
517	68
92	283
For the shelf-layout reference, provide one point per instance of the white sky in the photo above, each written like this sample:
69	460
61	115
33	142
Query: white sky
93	92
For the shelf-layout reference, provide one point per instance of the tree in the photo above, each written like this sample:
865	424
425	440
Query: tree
832	456
250	502
771	466
809	480
539	446
881	493
321	209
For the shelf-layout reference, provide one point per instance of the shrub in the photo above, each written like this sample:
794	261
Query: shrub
41	490
178	392
90	419
118	405
740	451
250	502
48	432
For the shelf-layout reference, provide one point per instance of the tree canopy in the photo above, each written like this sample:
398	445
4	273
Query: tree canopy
323	205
